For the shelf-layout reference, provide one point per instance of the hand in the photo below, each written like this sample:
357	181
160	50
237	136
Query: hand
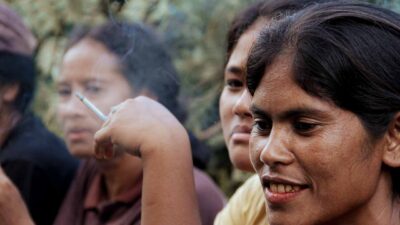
138	126
13	210
145	128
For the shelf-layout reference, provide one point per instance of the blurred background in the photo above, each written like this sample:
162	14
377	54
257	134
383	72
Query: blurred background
194	32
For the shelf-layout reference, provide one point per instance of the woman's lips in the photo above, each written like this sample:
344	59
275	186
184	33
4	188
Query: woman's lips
77	134
279	191
240	137
241	134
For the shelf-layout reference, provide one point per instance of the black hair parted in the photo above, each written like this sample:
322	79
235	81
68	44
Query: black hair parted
343	52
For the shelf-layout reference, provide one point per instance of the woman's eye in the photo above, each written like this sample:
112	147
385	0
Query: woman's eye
234	83
304	127
63	92
262	127
92	89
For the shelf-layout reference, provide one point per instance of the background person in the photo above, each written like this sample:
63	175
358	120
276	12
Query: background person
109	64
34	159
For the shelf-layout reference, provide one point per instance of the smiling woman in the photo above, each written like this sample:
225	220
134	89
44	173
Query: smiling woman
326	106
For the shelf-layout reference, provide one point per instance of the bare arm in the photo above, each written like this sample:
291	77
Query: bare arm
13	210
145	128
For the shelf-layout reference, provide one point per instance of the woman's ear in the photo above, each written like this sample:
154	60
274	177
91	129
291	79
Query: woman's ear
391	155
9	92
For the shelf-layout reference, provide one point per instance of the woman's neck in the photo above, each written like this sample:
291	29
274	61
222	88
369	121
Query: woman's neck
121	174
383	208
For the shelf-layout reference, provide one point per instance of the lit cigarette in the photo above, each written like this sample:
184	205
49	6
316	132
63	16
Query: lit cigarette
92	107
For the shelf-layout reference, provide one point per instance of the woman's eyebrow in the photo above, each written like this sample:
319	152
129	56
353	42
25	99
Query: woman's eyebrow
302	111
94	80
234	70
257	111
291	113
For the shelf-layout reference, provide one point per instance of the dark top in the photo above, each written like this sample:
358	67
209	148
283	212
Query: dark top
200	152
85	203
40	166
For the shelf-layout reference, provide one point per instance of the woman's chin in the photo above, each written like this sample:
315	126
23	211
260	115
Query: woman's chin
81	151
241	162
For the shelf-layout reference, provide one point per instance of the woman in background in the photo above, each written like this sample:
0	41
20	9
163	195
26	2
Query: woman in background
34	159
109	64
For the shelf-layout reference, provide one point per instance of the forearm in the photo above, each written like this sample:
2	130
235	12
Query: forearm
168	187
13	210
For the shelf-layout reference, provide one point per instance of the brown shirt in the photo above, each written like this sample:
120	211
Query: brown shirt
84	204
124	210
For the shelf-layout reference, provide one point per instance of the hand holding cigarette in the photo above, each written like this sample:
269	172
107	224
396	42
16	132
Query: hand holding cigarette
140	126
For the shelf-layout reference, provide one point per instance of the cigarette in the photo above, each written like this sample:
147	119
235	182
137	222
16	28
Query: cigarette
92	107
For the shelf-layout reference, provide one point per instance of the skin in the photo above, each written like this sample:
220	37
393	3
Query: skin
161	203
302	140
12	208
94	77
90	69
234	104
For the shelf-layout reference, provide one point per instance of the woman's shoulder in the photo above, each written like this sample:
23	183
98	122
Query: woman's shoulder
246	206
205	186
210	198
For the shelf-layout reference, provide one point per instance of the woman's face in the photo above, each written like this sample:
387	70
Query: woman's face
235	100
90	69
316	161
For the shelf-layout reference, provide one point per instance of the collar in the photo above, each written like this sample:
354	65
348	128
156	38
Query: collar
97	196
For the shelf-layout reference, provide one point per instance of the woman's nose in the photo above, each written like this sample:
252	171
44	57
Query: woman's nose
242	105
277	150
71	107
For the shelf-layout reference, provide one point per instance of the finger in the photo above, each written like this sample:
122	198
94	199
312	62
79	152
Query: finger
115	109
1	171
109	151
98	151
102	140
3	175
107	122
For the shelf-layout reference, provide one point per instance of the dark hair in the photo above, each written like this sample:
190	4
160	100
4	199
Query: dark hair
345	53
18	69
17	66
143	59
269	9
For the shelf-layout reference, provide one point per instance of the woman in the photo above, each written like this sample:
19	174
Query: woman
326	105
246	206
35	160
109	64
